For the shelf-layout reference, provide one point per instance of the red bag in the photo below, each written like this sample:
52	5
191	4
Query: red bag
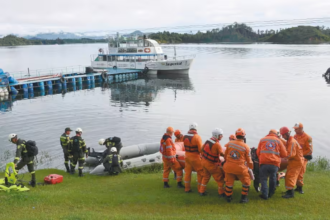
53	179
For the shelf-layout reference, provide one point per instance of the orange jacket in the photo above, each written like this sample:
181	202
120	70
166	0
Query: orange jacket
283	141
295	152
271	150
238	157
305	142
179	139
192	143
168	147
211	151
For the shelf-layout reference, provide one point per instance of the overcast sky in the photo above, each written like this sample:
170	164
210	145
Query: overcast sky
33	16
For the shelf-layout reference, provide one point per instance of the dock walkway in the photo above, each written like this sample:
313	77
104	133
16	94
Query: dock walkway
62	80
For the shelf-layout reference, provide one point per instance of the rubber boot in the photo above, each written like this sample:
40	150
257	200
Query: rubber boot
81	173
180	185
33	180
299	189
244	199
166	185
67	168
228	198
72	171
288	194
203	194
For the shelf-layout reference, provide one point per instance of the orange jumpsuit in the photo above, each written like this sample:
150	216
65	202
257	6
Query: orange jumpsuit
238	159
193	146
169	158
295	163
306	143
210	161
271	150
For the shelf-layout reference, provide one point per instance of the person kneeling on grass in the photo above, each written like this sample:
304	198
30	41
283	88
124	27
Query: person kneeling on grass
113	162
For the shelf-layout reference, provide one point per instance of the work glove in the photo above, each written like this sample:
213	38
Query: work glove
308	157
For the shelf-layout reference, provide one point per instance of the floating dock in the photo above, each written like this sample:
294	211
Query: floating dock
61	81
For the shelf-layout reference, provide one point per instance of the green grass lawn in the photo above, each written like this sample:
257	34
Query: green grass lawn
142	196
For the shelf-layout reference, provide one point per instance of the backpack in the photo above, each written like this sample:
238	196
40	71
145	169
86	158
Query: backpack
32	149
75	144
115	160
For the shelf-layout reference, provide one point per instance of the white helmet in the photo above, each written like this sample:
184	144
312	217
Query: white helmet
193	126
113	149
79	130
101	141
216	132
11	136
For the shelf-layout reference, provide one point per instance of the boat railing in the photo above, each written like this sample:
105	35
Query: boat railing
59	71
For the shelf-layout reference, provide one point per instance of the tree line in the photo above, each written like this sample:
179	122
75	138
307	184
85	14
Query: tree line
244	34
12	40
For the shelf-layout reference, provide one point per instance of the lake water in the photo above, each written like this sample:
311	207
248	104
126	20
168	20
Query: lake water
256	86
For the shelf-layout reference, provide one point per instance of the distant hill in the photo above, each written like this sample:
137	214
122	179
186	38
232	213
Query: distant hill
300	34
12	40
235	33
68	35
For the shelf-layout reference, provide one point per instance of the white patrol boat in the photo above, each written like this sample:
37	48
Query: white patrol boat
140	53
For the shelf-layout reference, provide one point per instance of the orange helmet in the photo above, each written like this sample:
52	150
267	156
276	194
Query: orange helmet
177	132
240	132
284	130
232	137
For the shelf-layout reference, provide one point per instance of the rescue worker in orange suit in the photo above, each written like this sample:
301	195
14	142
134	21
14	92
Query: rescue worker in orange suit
270	151
169	158
295	162
232	137
306	143
193	147
238	161
211	152
178	136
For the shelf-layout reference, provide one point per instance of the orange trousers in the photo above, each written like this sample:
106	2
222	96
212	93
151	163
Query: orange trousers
244	177
292	173
193	162
300	180
176	167
212	169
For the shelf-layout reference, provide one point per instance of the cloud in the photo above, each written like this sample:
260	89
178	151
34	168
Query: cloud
28	17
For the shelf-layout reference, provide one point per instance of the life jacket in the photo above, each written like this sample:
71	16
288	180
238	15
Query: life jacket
187	142
207	153
76	144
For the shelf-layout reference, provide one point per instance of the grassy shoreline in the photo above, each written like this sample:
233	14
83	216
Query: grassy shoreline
139	194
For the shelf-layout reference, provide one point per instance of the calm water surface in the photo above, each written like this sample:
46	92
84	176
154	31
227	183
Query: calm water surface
256	87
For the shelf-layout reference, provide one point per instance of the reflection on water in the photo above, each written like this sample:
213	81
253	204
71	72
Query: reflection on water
141	90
